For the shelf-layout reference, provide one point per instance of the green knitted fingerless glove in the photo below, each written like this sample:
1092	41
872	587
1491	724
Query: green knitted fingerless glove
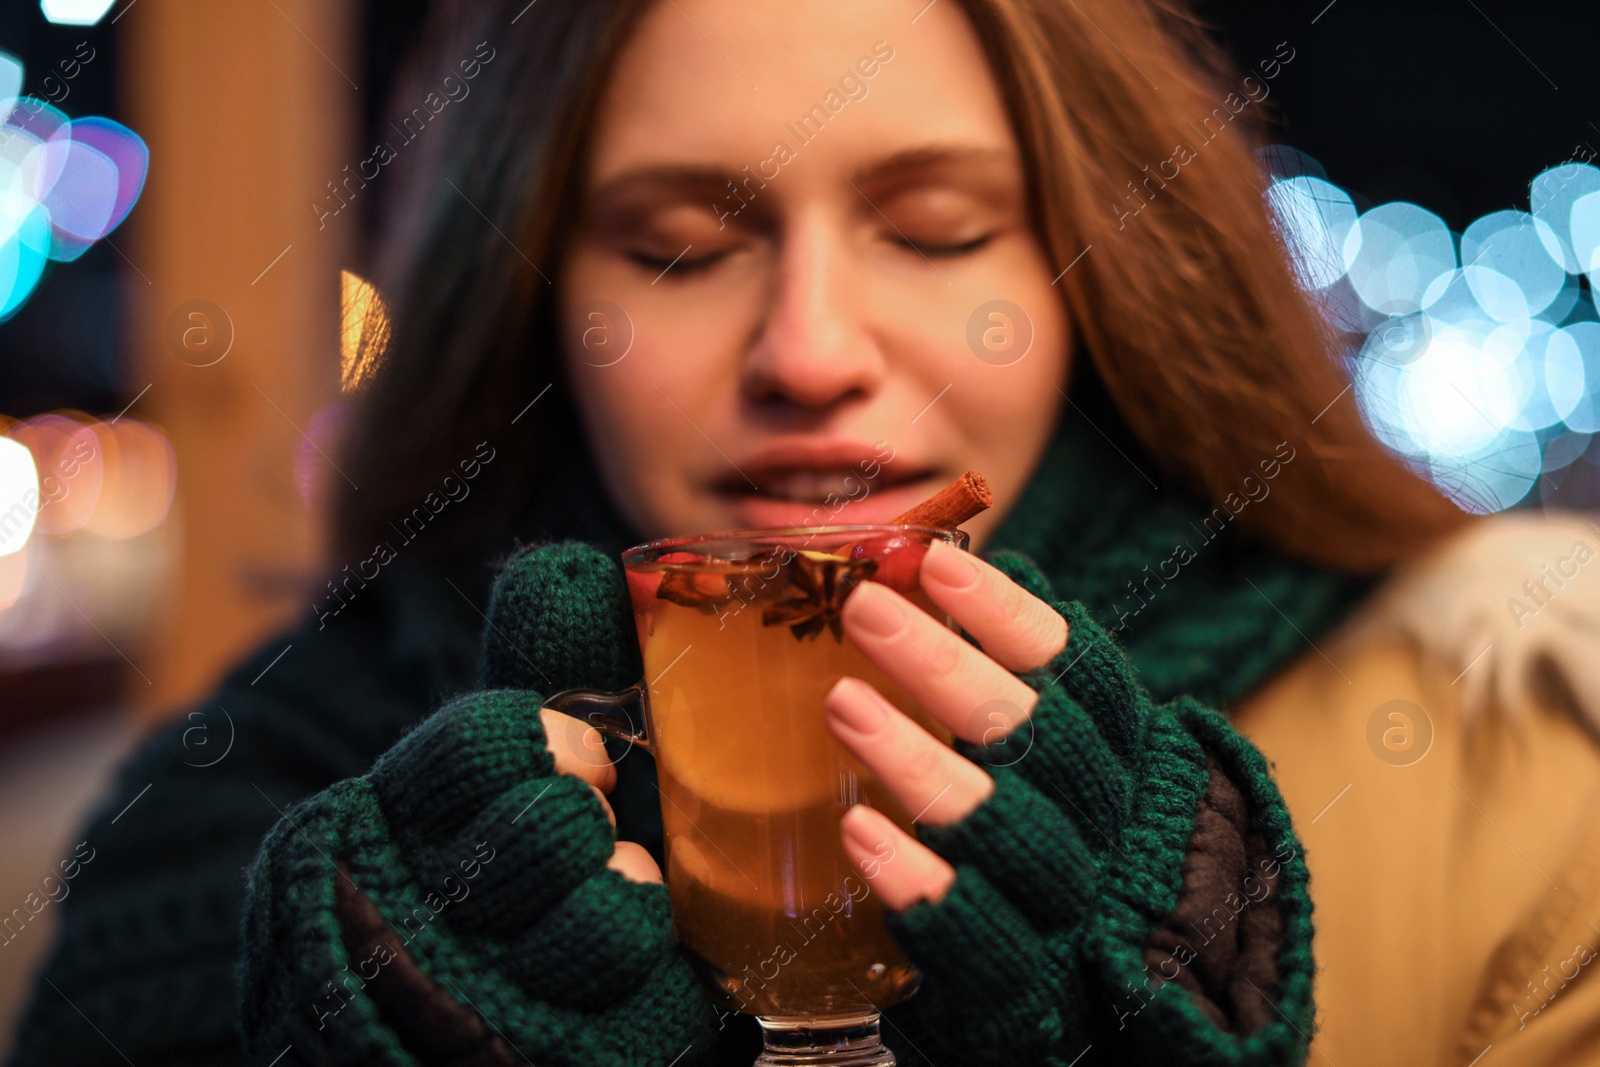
453	905
1132	891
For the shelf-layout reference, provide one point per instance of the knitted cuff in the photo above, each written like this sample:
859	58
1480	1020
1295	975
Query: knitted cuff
1203	943
299	986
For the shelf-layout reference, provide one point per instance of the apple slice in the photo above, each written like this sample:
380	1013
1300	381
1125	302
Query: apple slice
899	559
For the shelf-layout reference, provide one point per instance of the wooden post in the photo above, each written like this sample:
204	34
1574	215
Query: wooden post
248	109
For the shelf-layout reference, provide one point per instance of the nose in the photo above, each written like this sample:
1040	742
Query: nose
815	346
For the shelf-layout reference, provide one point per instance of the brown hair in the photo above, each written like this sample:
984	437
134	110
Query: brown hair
1178	284
1185	297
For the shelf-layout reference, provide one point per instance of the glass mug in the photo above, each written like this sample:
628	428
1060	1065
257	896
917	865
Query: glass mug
741	639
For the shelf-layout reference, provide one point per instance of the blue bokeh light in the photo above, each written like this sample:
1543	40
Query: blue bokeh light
1474	356
1550	198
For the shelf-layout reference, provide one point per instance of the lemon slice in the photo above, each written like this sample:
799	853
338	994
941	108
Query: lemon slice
736	708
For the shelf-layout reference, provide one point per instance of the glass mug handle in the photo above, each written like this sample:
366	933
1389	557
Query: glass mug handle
620	715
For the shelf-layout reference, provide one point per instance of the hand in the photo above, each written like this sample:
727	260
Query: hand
972	691
579	750
1069	841
467	899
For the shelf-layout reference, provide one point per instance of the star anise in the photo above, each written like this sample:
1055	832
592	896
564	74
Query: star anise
694	589
822	582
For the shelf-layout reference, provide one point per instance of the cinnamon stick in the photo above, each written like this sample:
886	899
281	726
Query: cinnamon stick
950	506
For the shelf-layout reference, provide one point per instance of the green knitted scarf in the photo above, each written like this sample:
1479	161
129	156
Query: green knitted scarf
1202	608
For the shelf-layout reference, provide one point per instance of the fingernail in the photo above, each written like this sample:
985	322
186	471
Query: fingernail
950	567
853	703
880	615
858	830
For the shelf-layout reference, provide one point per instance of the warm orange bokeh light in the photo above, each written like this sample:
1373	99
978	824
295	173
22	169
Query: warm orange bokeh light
140	477
13	576
66	451
365	332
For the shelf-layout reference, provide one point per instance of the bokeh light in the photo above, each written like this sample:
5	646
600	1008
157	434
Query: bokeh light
1394	252
364	334
10	83
64	184
75	12
141	476
1317	216
1585	414
1521	248
1585	234
1550	198
66	451
19	495
1474	356
13	577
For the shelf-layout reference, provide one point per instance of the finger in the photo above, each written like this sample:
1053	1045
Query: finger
634	863
901	869
932	781
578	749
604	803
955	682
1016	628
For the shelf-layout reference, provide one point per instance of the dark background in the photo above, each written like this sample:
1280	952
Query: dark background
1455	106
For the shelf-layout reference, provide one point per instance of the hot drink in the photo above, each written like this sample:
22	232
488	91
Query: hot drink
738	656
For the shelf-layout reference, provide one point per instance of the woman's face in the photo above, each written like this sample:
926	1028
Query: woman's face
805	287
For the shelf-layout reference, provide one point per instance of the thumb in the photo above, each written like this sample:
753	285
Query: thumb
559	617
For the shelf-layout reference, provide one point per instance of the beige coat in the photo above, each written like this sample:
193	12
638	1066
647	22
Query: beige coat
1439	755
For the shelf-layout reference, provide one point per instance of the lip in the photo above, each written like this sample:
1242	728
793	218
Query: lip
800	453
900	483
750	511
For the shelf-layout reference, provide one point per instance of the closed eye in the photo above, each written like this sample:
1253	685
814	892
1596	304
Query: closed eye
945	250
682	264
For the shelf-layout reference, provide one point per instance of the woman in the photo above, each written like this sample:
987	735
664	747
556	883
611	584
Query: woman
669	269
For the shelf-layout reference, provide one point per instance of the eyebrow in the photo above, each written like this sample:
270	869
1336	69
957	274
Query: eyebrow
913	162
689	179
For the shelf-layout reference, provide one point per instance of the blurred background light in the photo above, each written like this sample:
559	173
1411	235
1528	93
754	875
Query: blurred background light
75	12
1317	217
1475	356
311	452
1551	196
67	453
1585	234
64	184
1394	252
364	331
1585	414
19	495
140	475
10	83
1520	248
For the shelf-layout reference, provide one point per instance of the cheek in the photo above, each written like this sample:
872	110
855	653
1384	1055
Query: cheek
1011	354
647	366
1003	402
